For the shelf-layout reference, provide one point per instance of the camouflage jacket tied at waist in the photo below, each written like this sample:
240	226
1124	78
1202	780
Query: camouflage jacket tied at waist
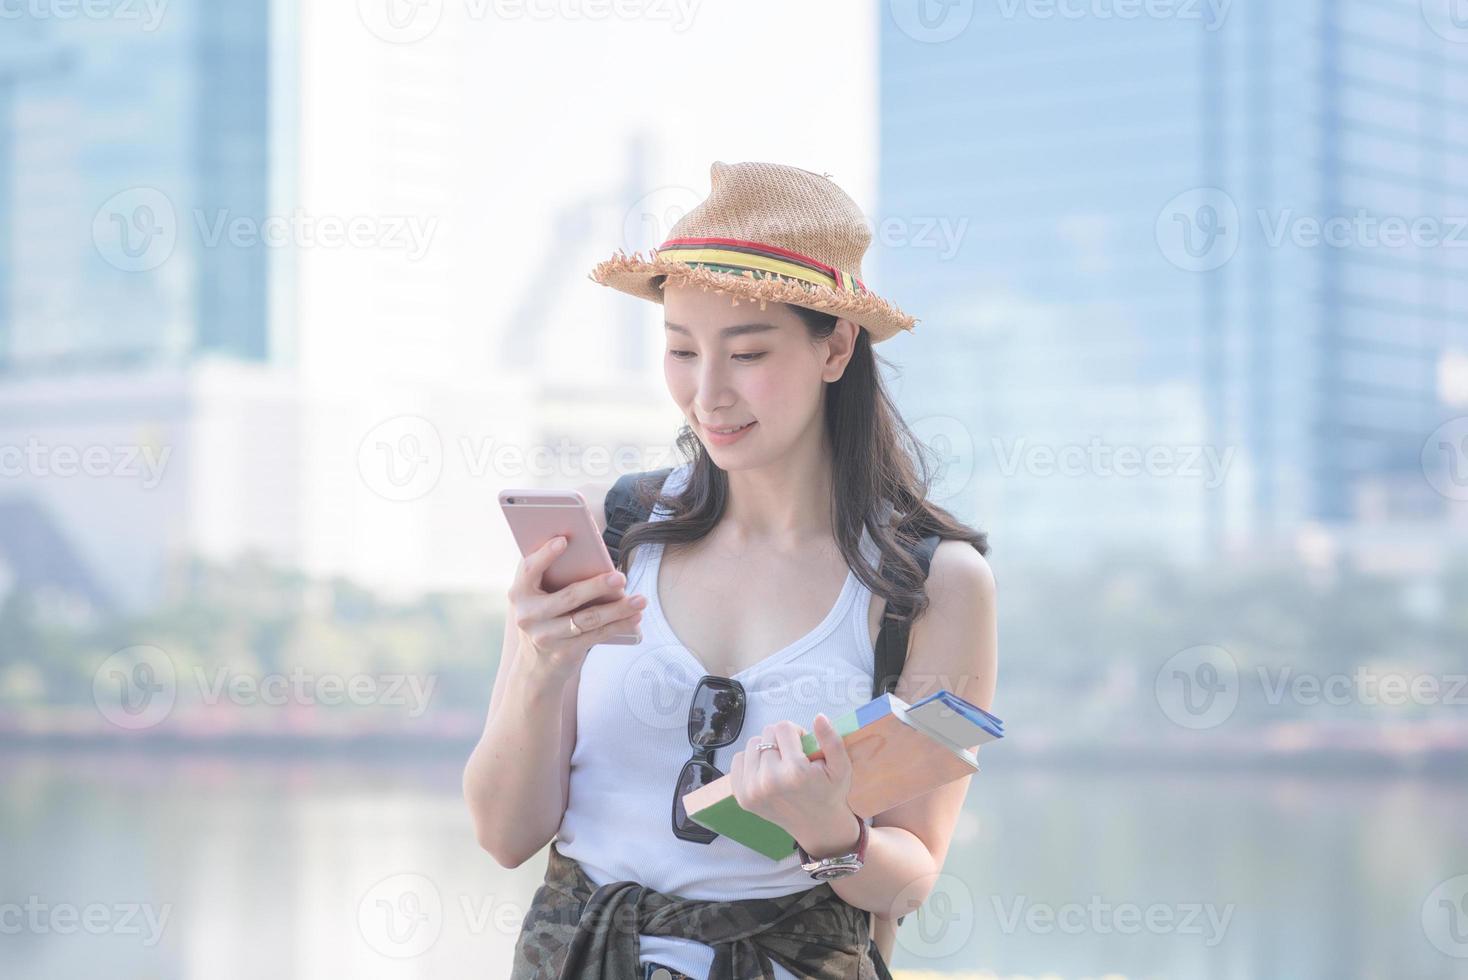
576	931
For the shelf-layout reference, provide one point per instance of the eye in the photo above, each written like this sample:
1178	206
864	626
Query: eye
677	355
749	358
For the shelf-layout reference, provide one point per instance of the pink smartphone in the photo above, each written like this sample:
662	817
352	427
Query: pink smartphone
536	516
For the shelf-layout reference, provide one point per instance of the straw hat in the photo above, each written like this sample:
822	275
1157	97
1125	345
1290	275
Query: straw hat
767	232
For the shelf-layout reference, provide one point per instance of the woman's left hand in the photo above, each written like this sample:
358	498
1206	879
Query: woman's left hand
804	797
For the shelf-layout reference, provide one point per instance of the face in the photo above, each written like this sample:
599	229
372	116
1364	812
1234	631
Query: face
727	365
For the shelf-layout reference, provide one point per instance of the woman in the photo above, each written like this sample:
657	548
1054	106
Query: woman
796	488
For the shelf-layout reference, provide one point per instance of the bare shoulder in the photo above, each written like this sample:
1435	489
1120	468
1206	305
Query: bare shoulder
955	640
959	575
595	492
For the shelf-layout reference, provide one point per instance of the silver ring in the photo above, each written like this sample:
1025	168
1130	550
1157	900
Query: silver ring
575	630
766	745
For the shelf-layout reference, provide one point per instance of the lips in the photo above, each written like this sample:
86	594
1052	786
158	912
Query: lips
727	430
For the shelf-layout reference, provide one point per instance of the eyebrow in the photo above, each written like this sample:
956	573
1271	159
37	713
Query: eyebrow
735	331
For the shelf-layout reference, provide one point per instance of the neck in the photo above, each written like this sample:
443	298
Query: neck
785	503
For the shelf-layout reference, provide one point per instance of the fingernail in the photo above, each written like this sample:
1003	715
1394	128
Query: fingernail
558	544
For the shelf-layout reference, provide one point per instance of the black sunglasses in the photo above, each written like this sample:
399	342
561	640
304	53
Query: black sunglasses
715	719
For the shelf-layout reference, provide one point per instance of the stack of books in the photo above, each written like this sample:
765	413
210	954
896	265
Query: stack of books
898	752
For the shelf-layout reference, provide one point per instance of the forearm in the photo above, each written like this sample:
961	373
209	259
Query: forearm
897	866
512	781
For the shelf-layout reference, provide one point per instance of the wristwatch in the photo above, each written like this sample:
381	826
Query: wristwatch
839	866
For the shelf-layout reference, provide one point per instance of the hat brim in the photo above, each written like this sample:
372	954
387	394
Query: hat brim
633	274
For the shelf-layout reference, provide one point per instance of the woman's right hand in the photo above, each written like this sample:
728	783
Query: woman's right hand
543	618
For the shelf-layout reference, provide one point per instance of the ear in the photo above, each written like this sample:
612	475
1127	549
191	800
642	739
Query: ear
839	348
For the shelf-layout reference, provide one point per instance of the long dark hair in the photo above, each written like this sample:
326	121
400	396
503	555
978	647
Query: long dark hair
881	477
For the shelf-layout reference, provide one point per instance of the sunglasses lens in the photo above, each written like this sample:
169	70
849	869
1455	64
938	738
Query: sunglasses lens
717	713
695	773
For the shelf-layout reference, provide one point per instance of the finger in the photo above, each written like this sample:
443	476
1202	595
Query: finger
533	565
787	736
595	617
754	758
578	594
838	763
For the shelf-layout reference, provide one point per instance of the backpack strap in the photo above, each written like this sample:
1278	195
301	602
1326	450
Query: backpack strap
891	650
627	505
892	640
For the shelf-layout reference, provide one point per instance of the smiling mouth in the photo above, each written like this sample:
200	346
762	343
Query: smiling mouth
729	430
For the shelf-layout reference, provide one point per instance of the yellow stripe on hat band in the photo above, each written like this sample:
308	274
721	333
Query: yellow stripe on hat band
746	260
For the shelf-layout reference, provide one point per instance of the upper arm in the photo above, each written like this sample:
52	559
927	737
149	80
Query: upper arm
955	646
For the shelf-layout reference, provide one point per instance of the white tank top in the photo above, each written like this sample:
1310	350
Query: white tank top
632	739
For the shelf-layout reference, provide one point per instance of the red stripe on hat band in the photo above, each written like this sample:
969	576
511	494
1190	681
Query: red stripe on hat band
831	271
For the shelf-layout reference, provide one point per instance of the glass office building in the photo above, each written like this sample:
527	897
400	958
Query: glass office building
1173	307
135	170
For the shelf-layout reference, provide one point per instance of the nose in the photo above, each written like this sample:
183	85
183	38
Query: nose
712	394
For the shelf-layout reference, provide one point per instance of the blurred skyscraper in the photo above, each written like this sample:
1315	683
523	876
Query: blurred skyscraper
133	141
1173	307
143	317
